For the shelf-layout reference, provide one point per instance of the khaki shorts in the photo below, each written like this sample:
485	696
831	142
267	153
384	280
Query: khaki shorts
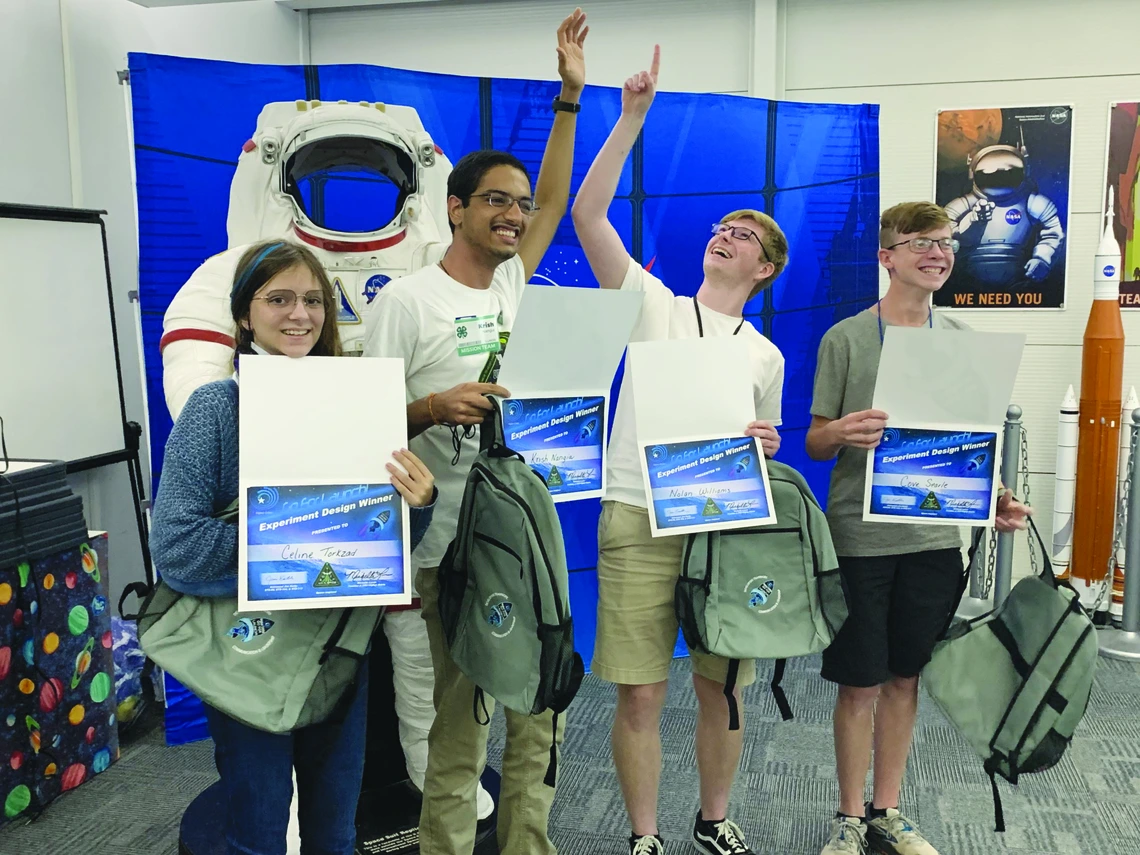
637	626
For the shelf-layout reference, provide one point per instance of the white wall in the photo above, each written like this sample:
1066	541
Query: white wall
33	133
38	166
916	57
705	47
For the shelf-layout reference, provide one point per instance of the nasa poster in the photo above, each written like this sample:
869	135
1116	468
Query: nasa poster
1002	175
1121	167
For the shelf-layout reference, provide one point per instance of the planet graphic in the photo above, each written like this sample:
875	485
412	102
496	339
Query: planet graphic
11	720
107	640
27	686
82	662
34	607
100	687
962	132
70	579
51	643
24	569
5	661
75	716
16	760
102	760
48	582
89	560
5	593
98	605
90	737
17	802
78	620
18	618
50	770
51	694
29	652
73	776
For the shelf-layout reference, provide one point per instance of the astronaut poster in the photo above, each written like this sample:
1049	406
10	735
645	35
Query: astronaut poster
1121	166
1002	175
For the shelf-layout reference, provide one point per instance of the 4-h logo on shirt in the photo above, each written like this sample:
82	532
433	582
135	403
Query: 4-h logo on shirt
461	332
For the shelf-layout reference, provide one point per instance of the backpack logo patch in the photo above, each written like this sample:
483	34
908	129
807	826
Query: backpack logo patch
251	635
327	578
930	503
498	610
763	595
711	509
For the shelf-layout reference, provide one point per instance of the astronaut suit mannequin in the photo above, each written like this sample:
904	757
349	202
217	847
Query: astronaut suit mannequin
371	171
1009	232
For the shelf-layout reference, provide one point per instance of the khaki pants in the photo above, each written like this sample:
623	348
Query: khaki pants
457	752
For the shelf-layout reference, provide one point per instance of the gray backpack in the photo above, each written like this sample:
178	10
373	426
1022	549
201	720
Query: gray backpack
769	592
1015	682
503	587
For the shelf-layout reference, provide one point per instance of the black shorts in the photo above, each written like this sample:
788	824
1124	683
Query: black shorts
898	607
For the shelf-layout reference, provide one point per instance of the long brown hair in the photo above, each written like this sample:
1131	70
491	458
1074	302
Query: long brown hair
260	263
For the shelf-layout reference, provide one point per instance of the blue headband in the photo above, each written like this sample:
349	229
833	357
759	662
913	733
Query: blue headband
243	280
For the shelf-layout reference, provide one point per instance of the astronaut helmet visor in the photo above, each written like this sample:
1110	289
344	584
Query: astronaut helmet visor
350	185
1003	178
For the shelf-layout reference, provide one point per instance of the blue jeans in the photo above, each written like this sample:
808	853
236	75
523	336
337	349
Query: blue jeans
256	769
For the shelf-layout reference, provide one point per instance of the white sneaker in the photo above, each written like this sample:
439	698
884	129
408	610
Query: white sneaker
848	837
895	835
646	844
484	804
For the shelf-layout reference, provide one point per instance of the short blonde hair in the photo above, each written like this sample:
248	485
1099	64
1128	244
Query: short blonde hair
908	218
773	240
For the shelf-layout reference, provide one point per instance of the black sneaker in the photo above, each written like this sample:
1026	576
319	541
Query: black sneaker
719	838
646	844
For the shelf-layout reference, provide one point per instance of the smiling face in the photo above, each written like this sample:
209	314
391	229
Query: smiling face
279	318
729	258
927	271
493	231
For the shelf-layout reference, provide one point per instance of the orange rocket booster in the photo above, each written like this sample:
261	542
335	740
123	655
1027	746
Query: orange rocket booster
1098	444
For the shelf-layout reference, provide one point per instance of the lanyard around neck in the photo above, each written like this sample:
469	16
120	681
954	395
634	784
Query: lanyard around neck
701	326
879	318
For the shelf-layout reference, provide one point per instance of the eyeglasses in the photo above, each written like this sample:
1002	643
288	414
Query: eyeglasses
284	301
921	244
502	200
739	233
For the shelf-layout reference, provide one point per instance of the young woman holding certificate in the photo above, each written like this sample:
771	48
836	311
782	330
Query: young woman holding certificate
283	305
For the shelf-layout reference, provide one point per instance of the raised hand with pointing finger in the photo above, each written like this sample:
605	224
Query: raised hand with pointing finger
638	92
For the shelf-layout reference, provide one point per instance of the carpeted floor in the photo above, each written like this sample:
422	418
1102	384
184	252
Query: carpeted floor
786	790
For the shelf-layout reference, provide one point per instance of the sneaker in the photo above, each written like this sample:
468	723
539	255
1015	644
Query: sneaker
848	837
646	844
894	835
719	838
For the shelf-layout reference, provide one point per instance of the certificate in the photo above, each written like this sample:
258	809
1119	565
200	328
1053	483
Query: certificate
692	402
945	392
701	485
562	439
320	523
559	364
940	476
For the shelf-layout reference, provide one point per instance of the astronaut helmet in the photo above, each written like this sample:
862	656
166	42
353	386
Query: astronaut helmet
999	171
342	177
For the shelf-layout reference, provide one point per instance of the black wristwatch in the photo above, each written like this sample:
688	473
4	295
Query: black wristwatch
560	106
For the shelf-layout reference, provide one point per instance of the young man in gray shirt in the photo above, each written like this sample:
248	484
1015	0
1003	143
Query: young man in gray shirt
902	581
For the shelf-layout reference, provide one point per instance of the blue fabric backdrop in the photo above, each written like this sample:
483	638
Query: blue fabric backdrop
814	167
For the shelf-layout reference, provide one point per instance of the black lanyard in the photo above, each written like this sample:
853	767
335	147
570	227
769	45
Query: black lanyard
879	318
701	327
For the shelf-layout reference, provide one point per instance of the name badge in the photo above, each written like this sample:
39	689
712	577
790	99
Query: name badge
476	334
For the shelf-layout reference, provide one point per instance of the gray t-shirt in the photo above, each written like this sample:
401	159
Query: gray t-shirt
845	383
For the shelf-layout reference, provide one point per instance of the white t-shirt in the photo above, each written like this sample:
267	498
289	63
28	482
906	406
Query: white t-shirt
446	334
666	316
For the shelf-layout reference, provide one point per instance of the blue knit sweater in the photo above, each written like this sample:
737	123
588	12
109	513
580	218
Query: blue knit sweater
195	552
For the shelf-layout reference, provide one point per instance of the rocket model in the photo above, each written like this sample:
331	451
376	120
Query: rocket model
1116	610
1098	442
1066	482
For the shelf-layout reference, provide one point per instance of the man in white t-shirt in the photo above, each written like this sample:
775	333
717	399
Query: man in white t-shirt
637	626
450	323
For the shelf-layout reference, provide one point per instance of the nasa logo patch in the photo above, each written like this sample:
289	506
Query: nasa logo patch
1013	216
1109	270
373	285
1059	115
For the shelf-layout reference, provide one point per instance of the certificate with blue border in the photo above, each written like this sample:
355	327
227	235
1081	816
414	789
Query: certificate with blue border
562	439
330	542
934	475
706	484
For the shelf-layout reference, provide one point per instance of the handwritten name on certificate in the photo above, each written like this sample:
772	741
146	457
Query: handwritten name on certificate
932	475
